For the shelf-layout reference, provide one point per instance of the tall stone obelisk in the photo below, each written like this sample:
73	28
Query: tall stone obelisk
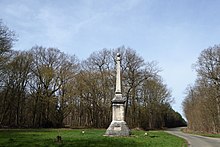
118	126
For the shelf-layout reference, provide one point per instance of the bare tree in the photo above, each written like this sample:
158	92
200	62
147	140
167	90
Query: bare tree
53	71
7	38
14	90
202	103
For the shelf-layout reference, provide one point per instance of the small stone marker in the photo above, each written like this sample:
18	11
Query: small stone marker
59	138
118	126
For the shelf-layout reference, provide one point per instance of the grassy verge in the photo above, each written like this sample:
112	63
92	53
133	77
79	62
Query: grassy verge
90	138
185	130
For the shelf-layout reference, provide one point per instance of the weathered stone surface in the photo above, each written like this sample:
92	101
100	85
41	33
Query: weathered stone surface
118	75
118	128
118	99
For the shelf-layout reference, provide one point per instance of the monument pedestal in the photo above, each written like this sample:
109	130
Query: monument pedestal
118	128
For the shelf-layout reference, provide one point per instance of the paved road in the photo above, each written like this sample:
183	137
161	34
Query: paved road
196	140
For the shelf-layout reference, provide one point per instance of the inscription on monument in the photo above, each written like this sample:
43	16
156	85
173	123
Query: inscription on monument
117	128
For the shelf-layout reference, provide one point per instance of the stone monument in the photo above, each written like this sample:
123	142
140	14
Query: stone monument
118	126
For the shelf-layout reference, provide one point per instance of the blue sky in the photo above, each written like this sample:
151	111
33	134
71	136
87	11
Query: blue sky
171	32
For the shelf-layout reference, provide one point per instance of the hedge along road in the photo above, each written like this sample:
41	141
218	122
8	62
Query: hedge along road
196	140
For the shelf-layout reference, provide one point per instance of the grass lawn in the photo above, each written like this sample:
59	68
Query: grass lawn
212	135
201	133
91	137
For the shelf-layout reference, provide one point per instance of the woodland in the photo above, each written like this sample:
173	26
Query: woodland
43	87
202	102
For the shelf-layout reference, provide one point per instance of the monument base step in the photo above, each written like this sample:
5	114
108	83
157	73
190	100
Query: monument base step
118	128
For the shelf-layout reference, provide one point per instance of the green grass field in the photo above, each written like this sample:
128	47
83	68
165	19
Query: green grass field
185	130
210	135
91	137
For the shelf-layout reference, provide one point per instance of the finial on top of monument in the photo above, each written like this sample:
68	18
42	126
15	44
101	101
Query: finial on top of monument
118	56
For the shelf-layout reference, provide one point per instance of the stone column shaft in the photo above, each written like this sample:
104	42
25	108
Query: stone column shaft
118	76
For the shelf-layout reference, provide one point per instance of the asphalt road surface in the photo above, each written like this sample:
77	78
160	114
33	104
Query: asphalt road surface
196	140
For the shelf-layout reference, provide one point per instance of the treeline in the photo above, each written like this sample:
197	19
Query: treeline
44	87
202	102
